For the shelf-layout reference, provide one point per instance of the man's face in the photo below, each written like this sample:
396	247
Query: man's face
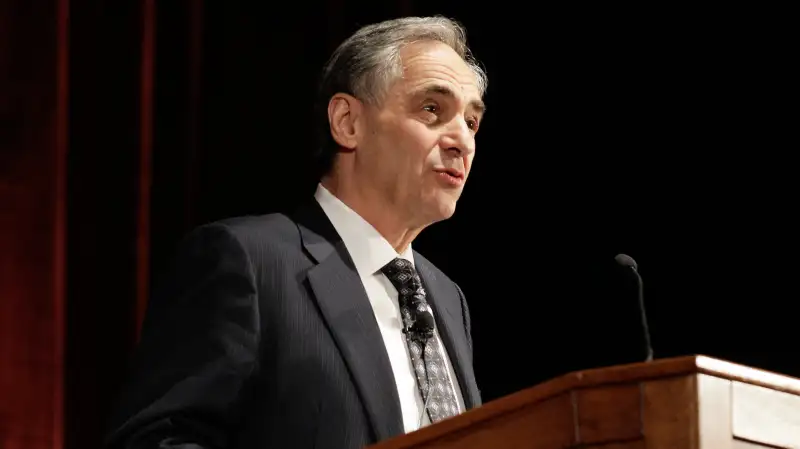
417	146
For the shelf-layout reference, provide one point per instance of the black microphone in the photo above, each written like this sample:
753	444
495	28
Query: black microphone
422	331
423	324
627	261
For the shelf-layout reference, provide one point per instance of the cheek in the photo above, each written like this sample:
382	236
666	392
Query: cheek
409	149
421	143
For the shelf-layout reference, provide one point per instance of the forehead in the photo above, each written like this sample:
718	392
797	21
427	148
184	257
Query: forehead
430	62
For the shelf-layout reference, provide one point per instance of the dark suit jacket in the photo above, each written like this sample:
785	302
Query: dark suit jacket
263	337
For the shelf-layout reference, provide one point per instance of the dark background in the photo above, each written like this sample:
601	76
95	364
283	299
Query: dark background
654	131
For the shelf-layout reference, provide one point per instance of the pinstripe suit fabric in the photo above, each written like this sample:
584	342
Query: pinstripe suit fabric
261	336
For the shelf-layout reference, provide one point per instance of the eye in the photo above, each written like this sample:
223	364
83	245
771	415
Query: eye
472	124
432	108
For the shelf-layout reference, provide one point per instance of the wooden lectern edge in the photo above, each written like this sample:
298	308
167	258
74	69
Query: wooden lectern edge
619	374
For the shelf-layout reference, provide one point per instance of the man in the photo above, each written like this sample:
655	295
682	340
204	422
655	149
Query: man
323	328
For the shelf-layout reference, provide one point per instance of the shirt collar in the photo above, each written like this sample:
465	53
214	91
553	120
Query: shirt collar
369	250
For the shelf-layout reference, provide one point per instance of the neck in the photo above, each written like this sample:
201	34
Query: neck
376	211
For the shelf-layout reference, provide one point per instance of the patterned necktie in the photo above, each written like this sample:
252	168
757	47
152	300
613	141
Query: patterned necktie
432	374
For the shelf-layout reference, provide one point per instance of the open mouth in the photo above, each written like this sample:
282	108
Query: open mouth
452	173
451	177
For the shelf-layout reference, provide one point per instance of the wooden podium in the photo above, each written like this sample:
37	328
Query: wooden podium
693	402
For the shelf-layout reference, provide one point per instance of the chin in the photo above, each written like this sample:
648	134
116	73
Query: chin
437	206
445	210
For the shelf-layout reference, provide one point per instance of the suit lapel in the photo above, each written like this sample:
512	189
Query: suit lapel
346	309
446	306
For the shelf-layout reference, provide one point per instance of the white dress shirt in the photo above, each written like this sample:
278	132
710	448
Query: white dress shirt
370	251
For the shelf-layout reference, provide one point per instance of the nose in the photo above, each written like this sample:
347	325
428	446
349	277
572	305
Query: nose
458	138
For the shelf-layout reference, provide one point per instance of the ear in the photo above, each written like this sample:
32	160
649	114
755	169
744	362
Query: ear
343	112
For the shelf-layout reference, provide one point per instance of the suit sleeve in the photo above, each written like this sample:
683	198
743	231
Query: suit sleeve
197	350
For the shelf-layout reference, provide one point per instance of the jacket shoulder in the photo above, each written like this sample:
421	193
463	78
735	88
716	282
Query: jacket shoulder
268	228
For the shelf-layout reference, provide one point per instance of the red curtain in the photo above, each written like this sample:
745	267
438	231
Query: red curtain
33	149
76	116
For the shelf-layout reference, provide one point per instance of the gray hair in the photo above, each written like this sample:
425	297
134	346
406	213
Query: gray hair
366	64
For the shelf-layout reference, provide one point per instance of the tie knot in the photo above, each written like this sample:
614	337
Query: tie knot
404	277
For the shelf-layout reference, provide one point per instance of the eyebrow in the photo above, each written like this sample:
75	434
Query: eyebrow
478	105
